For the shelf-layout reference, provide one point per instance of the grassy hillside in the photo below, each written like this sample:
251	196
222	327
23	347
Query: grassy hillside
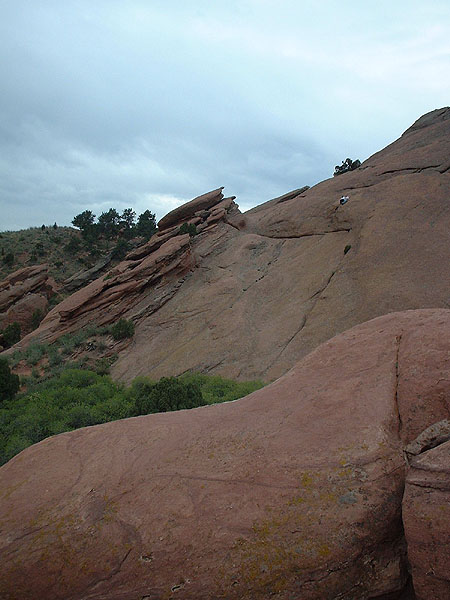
62	248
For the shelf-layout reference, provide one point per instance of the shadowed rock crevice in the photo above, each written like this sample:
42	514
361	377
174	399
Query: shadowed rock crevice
310	234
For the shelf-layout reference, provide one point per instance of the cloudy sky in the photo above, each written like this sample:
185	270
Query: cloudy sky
148	103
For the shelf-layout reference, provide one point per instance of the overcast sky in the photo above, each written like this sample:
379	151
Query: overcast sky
148	103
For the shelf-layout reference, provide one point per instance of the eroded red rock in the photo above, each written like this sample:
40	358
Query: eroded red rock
24	292
292	492
186	211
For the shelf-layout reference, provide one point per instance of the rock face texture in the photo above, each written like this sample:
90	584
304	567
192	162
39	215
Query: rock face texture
23	292
426	516
292	492
253	293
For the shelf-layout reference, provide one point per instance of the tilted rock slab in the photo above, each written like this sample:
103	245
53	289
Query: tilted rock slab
294	492
186	211
255	292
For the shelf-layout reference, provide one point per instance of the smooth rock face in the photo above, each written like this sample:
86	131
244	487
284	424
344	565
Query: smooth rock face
253	293
292	492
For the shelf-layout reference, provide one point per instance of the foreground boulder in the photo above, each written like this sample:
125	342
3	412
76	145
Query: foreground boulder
253	293
292	492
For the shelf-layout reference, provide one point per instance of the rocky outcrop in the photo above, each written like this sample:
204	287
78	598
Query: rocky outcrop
148	277
85	276
22	293
426	516
292	492
252	293
190	209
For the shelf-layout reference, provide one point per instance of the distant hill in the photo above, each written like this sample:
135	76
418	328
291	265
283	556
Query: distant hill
40	266
61	248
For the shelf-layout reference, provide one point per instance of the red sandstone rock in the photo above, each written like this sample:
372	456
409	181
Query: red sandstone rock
22	293
184	212
426	516
253	293
22	311
292	492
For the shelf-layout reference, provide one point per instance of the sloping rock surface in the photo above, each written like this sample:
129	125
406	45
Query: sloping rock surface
23	292
292	492
253	293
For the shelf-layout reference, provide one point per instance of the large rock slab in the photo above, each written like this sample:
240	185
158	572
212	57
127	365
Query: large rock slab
256	292
188	210
292	492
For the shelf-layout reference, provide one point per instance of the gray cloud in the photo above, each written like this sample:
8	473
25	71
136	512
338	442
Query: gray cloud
149	104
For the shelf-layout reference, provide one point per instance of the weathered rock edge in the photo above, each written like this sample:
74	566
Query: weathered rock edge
292	492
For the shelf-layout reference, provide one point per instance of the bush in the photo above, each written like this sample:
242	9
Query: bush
102	366
120	249
189	228
9	383
77	397
8	259
73	245
37	317
218	389
34	353
11	334
168	394
122	329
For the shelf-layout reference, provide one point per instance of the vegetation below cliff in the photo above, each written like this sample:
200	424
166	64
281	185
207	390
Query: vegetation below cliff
75	398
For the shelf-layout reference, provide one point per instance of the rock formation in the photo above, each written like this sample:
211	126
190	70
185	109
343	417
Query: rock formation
295	491
426	518
22	293
252	293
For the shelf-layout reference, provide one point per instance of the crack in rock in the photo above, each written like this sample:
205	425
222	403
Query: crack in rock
432	436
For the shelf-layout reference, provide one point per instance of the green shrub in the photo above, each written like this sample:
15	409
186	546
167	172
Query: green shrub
120	249
168	394
73	245
8	259
54	357
218	389
122	329
102	366
189	228
70	341
34	353
11	334
9	383
76	397
36	318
